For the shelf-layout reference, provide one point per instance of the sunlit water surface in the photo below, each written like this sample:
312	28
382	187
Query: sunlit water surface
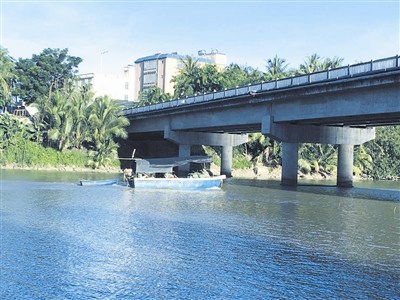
63	241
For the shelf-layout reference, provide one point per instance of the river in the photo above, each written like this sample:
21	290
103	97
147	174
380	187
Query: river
251	240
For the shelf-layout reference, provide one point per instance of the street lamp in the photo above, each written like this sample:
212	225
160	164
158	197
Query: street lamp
101	59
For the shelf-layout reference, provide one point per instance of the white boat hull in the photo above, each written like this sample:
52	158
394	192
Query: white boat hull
177	183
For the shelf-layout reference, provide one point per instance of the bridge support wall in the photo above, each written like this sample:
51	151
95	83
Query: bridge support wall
224	140
291	135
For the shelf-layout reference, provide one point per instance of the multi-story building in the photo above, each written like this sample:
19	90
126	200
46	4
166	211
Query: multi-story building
158	70
151	71
104	84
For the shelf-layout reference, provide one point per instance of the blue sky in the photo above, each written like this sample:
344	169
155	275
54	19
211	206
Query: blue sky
248	32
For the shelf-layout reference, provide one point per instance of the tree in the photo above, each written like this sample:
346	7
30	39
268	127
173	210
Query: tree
311	64
106	122
44	72
363	162
80	101
385	151
13	128
153	95
210	79
6	76
331	63
318	157
57	118
235	75
276	68
188	81
314	63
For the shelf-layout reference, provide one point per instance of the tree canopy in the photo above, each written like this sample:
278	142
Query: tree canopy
47	71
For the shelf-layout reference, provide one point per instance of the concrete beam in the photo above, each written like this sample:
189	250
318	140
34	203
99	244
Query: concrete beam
204	138
316	134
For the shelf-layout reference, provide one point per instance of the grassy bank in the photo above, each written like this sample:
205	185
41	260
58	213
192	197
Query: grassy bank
31	155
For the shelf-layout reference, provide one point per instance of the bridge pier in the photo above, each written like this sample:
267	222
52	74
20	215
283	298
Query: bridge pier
345	166
290	156
186	139
291	135
184	151
226	160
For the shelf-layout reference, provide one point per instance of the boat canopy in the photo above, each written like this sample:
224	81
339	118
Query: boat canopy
165	165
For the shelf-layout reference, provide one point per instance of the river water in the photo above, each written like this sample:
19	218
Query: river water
251	240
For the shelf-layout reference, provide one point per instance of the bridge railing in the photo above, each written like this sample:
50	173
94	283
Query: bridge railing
333	74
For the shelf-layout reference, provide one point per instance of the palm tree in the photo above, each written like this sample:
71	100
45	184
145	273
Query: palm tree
153	95
61	121
80	101
6	76
363	162
276	68
106	122
314	63
331	63
188	81
311	64
320	157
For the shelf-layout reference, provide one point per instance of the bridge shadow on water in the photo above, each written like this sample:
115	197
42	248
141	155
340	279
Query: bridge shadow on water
321	188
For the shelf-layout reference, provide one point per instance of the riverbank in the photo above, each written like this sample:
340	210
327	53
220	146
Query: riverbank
261	173
113	170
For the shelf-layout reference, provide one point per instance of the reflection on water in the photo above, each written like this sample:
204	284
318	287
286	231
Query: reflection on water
63	241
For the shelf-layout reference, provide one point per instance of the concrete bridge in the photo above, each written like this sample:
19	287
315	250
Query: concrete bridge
339	106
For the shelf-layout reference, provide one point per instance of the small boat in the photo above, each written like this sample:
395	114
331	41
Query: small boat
98	182
157	173
186	183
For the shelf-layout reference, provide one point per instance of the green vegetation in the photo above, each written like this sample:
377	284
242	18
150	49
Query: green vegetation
37	76
71	128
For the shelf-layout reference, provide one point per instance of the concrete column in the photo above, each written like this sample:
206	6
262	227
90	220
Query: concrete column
290	156
345	166
226	161
184	151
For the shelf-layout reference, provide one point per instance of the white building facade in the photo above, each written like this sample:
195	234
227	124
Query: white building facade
147	72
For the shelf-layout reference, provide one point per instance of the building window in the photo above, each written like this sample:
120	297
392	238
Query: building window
149	65
149	78
126	85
